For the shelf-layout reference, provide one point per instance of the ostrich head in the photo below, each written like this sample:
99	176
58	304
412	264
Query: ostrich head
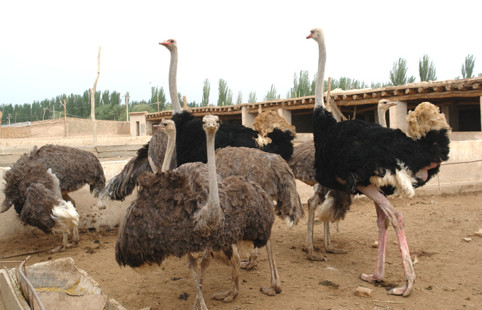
210	123
315	34
170	44
167	126
385	104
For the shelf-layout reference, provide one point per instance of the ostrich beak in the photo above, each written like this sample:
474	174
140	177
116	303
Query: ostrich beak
165	43
309	36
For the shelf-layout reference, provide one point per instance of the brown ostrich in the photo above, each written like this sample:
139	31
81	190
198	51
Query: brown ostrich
268	170
38	185
192	209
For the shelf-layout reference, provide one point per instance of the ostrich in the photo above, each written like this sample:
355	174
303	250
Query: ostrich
190	146
302	164
190	141
355	156
268	170
38	185
175	214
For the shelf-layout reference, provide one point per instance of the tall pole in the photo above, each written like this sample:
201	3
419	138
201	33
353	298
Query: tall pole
92	101
127	106
64	103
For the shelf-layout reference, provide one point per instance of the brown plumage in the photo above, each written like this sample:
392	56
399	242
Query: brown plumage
176	214
38	185
268	170
149	158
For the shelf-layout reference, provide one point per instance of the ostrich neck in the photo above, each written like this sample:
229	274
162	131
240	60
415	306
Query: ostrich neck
213	177
381	117
171	138
321	73
176	106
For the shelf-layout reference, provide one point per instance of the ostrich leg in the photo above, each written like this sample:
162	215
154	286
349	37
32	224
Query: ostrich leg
192	264
275	287
233	291
386	211
313	202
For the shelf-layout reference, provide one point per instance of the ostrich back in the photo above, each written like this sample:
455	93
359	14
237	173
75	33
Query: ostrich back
302	163
269	171
354	151
32	190
73	167
160	222
191	139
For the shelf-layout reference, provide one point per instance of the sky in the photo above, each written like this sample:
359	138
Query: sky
49	48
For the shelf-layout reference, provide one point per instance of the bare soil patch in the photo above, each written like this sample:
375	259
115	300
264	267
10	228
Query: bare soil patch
448	268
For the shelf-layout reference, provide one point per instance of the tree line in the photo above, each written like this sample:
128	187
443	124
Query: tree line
114	106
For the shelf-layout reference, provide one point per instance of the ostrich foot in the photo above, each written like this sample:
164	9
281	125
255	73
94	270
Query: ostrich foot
404	291
270	291
58	249
227	296
312	255
371	278
331	249
247	265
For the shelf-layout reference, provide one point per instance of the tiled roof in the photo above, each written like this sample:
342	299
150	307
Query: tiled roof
462	88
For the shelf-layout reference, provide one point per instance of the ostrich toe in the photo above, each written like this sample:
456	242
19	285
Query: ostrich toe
270	291
227	296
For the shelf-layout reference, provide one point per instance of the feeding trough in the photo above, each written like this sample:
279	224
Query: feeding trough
52	285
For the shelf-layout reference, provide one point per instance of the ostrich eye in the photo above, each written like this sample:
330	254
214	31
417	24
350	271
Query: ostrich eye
172	41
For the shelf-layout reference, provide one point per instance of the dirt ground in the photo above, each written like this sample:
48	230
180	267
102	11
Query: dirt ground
448	268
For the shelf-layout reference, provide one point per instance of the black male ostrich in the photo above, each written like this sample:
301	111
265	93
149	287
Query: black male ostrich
38	185
355	156
190	141
332	205
191	209
190	145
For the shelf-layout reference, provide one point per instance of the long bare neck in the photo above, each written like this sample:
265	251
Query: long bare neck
319	101
382	117
213	177
176	106
171	141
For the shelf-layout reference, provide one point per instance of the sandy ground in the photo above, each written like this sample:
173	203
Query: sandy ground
448	268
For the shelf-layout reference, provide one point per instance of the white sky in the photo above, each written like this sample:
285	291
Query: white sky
48	48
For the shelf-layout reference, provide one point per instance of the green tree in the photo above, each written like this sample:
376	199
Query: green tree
223	91
239	100
252	97
272	94
426	69
206	91
468	67
301	85
398	74
229	98
158	98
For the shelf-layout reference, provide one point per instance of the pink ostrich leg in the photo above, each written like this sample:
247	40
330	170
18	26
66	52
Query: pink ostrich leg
386	211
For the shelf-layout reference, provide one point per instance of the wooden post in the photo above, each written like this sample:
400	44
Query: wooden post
184	103
64	104
92	102
127	106
157	96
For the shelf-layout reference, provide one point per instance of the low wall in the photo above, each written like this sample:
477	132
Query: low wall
462	173
58	128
